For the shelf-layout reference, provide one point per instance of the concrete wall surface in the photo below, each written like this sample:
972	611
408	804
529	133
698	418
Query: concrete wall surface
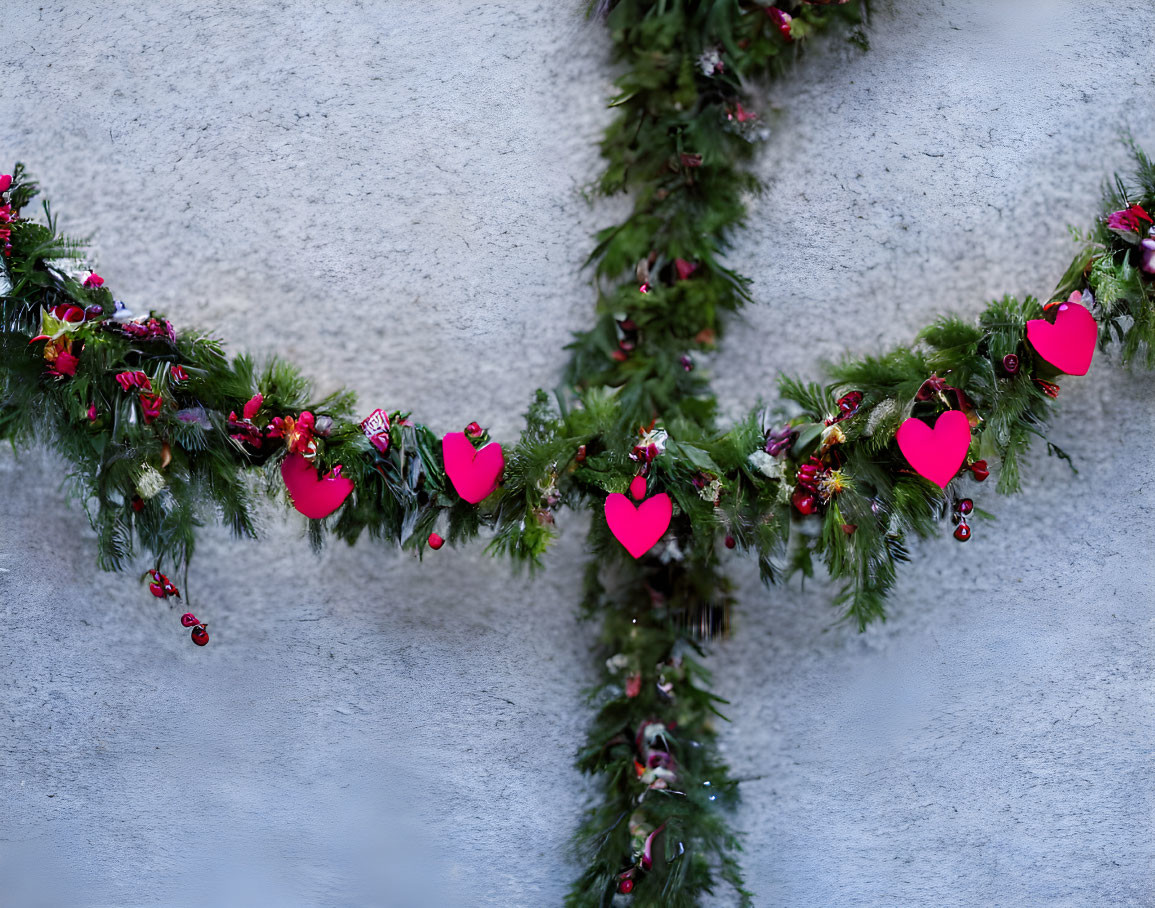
390	194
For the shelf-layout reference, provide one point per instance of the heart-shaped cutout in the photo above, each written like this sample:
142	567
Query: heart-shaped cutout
1069	343
473	473
937	453
313	495
638	529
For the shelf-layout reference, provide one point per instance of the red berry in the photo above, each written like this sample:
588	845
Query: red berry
805	502
1010	364
580	457
435	541
962	532
199	635
964	506
618	356
157	590
730	542
137	503
188	619
473	430
980	471
626	886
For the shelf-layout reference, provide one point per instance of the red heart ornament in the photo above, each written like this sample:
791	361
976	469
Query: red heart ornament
638	529
473	473
1069	343
313	495
937	453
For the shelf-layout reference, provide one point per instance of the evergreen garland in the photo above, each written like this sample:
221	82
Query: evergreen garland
163	431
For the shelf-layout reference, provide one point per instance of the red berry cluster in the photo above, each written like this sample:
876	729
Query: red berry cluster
805	497
962	508
161	586
150	329
200	636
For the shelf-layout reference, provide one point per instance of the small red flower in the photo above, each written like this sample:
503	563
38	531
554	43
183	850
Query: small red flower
741	114
684	268
298	433
150	405
1128	219
64	364
93	280
130	380
178	373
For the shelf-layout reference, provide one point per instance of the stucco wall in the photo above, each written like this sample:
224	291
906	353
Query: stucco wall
390	194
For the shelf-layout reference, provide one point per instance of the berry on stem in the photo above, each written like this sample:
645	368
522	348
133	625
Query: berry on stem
199	635
435	541
188	619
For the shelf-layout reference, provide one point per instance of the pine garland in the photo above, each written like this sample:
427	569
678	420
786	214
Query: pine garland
163	431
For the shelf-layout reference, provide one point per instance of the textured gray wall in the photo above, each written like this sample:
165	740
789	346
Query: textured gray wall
389	193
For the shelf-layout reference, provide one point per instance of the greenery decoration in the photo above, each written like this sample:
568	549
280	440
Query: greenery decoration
162	431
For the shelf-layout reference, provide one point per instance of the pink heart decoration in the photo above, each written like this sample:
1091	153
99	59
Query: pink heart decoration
638	529
937	453
473	473
1069	343
313	495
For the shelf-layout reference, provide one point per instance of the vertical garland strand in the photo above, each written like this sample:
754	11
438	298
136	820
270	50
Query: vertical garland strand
678	145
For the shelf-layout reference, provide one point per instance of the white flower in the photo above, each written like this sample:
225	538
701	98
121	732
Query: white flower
656	438
149	483
709	61
74	269
618	663
711	490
